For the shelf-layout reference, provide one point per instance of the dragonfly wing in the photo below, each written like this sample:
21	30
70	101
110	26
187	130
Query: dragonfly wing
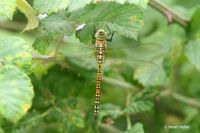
79	54
146	51
136	54
145	59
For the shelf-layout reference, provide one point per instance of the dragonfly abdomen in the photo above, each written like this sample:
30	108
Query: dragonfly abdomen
100	55
97	96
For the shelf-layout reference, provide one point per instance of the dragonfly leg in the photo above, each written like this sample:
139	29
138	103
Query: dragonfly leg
111	37
111	34
93	37
108	30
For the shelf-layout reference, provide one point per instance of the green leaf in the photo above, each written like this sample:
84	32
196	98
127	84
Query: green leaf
150	74
141	3
49	6
25	8
16	92
76	119
59	23
124	19
171	47
76	4
194	26
40	69
56	5
139	106
72	119
137	128
41	44
110	110
7	8
16	51
86	34
142	101
192	52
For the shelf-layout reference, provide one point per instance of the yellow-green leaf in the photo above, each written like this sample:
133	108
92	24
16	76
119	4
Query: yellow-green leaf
25	8
15	51
7	8
16	93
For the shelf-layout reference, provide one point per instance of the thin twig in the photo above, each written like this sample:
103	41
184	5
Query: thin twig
189	101
171	15
47	58
42	57
183	99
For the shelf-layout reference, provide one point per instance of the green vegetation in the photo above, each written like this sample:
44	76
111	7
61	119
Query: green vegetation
150	77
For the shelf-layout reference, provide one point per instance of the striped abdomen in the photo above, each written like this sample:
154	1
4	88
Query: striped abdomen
100	55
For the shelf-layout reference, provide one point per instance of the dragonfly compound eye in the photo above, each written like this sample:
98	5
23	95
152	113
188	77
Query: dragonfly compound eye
101	33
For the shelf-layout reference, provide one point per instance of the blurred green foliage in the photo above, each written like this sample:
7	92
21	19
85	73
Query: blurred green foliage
150	76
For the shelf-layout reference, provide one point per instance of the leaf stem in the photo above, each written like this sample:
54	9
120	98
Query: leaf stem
172	16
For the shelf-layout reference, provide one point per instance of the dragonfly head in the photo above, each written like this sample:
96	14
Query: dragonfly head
101	34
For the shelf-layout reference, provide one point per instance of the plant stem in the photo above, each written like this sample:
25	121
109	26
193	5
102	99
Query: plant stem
128	119
12	25
183	99
171	15
42	57
189	101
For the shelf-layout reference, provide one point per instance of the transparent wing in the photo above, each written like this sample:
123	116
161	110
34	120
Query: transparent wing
79	54
134	55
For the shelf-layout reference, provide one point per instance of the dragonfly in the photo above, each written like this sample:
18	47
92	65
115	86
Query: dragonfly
101	52
100	45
